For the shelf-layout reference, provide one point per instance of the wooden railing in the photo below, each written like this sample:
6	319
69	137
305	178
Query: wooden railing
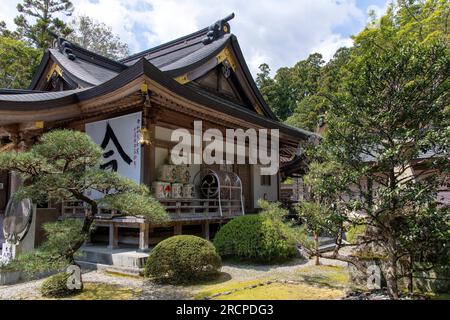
192	209
177	209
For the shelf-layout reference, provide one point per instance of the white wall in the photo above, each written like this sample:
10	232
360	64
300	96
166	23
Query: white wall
259	190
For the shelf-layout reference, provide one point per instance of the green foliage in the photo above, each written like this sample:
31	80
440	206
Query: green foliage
391	107
353	232
318	218
183	259
261	238
56	286
57	252
64	166
131	203
17	63
290	85
97	37
37	17
304	93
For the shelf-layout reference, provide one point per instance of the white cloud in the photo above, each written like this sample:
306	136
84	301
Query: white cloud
8	12
331	44
277	32
378	10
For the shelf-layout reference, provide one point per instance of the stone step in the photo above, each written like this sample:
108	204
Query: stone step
131	272
122	257
323	241
326	247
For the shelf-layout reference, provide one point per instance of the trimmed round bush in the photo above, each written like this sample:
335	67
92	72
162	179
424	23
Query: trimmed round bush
56	286
183	259
253	237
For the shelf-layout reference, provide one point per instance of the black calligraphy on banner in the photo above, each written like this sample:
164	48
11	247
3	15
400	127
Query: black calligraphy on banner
112	164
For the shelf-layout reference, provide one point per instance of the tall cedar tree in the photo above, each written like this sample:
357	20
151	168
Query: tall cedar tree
38	17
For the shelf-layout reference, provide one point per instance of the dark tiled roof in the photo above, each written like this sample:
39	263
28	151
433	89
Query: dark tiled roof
171	51
36	97
49	100
16	91
91	74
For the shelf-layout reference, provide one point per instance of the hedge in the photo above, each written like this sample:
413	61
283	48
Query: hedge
183	259
256	238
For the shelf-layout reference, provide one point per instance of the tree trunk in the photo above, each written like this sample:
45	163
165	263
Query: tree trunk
411	276
316	241
85	230
391	277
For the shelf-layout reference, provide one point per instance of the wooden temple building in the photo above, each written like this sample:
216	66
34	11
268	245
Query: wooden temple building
141	99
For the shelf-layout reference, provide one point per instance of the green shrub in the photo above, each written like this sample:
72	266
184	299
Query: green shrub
355	231
183	259
256	238
56	286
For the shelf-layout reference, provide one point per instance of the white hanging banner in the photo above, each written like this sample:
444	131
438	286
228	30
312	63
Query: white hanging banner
119	138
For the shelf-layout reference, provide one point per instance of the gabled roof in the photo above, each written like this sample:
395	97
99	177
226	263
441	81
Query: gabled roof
90	76
54	100
81	68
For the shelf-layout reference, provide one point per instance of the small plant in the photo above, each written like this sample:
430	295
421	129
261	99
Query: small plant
56	286
183	259
261	238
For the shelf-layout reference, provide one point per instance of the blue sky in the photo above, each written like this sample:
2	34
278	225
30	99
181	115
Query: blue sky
278	32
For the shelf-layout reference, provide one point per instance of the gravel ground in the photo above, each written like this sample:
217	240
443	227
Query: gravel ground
151	291
241	272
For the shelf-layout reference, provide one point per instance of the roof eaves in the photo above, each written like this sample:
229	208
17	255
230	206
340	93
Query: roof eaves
182	70
157	75
37	75
240	56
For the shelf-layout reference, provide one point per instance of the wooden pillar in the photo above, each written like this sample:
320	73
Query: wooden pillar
152	154
151	115
113	236
143	236
177	229
205	230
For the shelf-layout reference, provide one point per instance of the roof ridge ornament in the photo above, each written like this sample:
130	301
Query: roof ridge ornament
218	29
63	45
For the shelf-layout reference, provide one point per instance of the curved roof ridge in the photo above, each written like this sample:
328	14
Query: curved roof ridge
165	45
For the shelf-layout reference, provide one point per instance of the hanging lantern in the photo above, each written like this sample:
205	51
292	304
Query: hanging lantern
145	138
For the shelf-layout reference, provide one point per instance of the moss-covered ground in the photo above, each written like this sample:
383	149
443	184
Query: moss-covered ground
307	282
